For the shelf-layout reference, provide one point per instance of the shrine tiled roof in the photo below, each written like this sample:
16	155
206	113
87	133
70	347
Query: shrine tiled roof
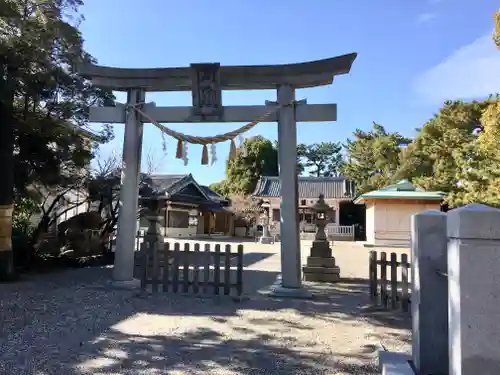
177	187
309	187
165	182
212	194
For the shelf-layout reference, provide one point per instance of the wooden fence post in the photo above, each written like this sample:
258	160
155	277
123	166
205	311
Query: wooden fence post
175	278
394	280
373	267
166	266
239	271
216	269
185	268
196	268
383	279
206	273
227	270
405	297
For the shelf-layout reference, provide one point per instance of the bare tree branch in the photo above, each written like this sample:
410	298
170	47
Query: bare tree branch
58	215
152	164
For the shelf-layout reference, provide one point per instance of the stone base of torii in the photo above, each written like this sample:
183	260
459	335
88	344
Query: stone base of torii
284	78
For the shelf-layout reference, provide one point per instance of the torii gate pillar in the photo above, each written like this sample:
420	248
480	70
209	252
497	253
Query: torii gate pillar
290	284
123	271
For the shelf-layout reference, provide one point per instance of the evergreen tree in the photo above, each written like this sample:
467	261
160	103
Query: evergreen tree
324	158
373	158
43	103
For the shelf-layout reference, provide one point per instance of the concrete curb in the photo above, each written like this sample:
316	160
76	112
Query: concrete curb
392	363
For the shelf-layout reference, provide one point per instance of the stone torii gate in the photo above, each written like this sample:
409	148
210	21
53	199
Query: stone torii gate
206	82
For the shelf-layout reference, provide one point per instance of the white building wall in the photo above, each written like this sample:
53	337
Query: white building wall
370	223
388	223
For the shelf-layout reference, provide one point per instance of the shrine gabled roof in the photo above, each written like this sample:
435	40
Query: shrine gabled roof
172	185
164	182
214	195
309	187
404	189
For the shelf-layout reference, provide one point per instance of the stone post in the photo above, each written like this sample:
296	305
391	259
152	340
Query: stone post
123	270
474	290
321	264
291	283
153	236
429	299
153	215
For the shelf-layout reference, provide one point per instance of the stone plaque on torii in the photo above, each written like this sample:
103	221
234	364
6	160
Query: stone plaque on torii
206	82
206	92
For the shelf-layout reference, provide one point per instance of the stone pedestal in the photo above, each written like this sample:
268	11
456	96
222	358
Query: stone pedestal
266	237
279	291
321	264
265	240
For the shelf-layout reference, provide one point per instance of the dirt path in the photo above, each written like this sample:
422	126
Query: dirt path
73	323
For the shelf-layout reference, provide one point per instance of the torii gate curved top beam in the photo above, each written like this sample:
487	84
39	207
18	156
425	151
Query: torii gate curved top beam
252	77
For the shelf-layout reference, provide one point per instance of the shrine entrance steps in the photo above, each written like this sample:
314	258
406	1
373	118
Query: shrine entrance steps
191	270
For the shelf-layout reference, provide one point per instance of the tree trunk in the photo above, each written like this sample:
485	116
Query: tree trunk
7	271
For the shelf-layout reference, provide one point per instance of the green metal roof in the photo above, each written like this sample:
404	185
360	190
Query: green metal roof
404	189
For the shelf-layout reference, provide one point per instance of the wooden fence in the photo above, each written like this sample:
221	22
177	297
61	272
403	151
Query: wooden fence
393	292
191	271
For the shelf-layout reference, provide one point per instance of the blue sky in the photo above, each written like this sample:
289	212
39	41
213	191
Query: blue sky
412	55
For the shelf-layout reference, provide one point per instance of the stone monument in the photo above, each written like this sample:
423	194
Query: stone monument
321	264
266	237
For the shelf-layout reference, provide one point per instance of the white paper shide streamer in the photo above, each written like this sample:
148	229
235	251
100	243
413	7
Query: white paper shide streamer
163	143
213	153
242	145
185	153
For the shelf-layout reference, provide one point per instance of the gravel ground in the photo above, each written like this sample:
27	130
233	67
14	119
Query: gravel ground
74	323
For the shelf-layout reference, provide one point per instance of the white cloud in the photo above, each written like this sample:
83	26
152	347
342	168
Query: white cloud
472	71
425	17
